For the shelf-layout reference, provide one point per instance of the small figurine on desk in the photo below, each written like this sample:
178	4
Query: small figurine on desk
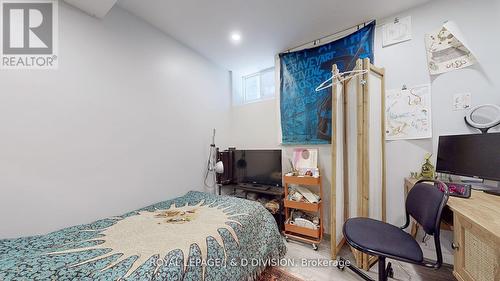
427	168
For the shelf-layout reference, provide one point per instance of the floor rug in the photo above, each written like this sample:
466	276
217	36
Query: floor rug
277	274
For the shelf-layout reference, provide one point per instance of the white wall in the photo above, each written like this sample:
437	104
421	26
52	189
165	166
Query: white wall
124	122
254	125
405	63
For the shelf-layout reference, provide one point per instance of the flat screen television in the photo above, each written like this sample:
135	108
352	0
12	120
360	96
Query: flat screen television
262	167
470	155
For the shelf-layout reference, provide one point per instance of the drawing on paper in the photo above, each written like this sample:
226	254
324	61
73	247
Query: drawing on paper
462	101
447	50
408	113
397	31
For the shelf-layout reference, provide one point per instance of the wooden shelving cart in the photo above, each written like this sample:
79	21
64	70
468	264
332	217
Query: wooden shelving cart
295	232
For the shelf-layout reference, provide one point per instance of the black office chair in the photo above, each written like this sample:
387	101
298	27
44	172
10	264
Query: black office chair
425	203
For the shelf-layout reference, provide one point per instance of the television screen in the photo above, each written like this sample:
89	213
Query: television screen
258	167
470	155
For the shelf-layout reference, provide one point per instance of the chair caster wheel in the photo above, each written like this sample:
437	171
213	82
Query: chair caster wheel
315	247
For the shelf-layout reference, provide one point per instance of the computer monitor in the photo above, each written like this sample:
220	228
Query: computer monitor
470	155
261	167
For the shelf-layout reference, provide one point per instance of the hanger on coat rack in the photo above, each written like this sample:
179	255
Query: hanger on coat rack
342	77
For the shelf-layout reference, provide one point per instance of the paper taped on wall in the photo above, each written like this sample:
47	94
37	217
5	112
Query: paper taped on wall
408	113
397	31
461	101
447	50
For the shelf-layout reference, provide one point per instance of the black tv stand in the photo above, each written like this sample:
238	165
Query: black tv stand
268	191
256	188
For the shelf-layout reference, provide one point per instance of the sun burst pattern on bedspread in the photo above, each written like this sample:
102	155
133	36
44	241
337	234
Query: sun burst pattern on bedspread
195	237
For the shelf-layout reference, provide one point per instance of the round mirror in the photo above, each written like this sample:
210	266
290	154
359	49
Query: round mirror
483	117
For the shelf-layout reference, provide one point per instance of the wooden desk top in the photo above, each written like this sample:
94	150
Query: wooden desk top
481	208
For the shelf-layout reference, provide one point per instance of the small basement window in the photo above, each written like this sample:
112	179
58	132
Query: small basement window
259	86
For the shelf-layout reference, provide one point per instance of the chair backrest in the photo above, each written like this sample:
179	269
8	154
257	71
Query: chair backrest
425	203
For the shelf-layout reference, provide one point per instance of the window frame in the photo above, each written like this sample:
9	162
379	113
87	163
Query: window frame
259	75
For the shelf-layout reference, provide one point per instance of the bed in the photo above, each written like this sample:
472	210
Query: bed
198	236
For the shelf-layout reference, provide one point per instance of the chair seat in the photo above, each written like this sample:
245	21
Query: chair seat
383	238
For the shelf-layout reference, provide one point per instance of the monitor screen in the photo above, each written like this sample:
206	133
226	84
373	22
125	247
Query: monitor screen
258	167
470	155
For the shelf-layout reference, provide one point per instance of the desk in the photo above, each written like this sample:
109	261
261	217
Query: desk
476	235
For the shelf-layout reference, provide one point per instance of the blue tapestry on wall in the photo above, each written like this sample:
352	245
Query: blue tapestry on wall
305	113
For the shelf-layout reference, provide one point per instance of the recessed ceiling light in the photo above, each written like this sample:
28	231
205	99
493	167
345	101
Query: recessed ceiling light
235	37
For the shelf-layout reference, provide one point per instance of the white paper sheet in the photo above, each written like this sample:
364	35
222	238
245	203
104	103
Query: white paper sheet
396	32
462	101
408	113
448	50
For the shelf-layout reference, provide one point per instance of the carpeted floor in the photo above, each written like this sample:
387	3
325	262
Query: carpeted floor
277	274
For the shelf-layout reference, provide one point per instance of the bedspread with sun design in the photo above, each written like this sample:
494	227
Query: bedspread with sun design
198	236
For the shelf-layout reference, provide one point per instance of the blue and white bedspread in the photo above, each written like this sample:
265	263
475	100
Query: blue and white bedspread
198	236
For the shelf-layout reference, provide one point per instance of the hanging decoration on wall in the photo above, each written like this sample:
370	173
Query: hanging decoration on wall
447	50
397	31
408	113
305	113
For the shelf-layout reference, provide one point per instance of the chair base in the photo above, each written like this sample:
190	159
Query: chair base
383	272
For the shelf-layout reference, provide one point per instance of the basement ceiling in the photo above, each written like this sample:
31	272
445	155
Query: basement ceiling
96	8
266	26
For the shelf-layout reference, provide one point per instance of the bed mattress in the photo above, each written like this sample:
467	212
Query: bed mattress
198	236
